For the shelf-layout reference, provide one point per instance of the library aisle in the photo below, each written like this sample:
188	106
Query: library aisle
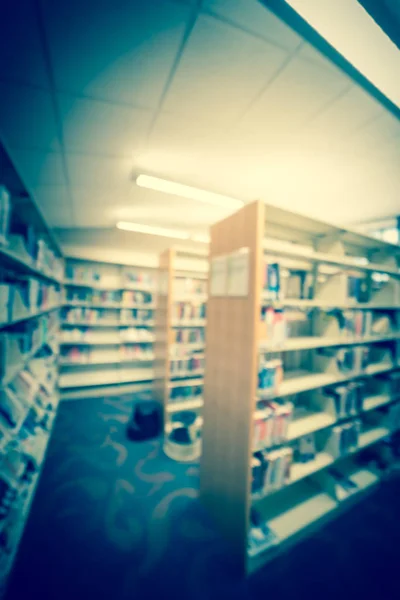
115	519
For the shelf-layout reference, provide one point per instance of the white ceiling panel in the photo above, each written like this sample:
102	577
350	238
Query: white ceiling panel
379	131
27	118
119	51
99	172
350	112
101	128
255	18
222	69
55	205
300	92
21	54
38	169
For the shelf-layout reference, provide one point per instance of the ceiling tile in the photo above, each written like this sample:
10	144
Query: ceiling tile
27	118
256	18
176	136
101	128
349	112
99	173
119	51
301	90
222	69
21	55
38	169
100	197
55	206
379	131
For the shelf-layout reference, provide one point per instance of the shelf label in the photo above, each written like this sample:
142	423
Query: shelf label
219	276
238	273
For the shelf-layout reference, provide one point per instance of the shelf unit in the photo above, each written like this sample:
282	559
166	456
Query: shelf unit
302	352
107	327
31	269
180	326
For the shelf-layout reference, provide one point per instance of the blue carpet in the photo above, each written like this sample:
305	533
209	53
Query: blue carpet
118	520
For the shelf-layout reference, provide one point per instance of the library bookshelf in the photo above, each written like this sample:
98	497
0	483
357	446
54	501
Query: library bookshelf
107	328
31	269
302	375
180	326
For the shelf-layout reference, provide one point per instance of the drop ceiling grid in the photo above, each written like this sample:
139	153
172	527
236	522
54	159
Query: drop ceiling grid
105	126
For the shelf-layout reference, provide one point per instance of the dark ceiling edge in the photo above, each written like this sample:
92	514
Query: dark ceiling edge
287	14
386	21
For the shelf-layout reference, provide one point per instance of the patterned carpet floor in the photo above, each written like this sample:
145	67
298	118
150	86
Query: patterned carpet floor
118	520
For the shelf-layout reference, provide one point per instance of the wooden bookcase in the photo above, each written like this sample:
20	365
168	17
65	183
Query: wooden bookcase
320	266
179	363
107	328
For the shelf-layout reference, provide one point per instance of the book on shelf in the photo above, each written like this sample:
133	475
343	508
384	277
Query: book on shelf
185	311
186	365
357	288
272	281
347	399
274	328
271	423
344	438
271	470
189	336
270	376
134	278
5	213
305	449
185	393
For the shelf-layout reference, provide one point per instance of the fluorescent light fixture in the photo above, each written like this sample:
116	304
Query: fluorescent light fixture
204	239
161	231
186	191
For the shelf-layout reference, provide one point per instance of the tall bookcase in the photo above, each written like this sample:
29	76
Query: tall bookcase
107	328
302	357
180	326
31	269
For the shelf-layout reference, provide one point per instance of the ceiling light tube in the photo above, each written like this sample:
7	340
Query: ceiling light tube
203	239
161	231
186	191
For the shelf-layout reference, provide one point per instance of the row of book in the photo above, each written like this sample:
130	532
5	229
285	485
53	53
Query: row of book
141	335
271	423
22	298
132	352
344	438
348	400
135	314
271	470
96	316
349	324
188	310
353	359
270	375
125	298
181	366
25	241
281	283
19	342
189	336
185	392
90	274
